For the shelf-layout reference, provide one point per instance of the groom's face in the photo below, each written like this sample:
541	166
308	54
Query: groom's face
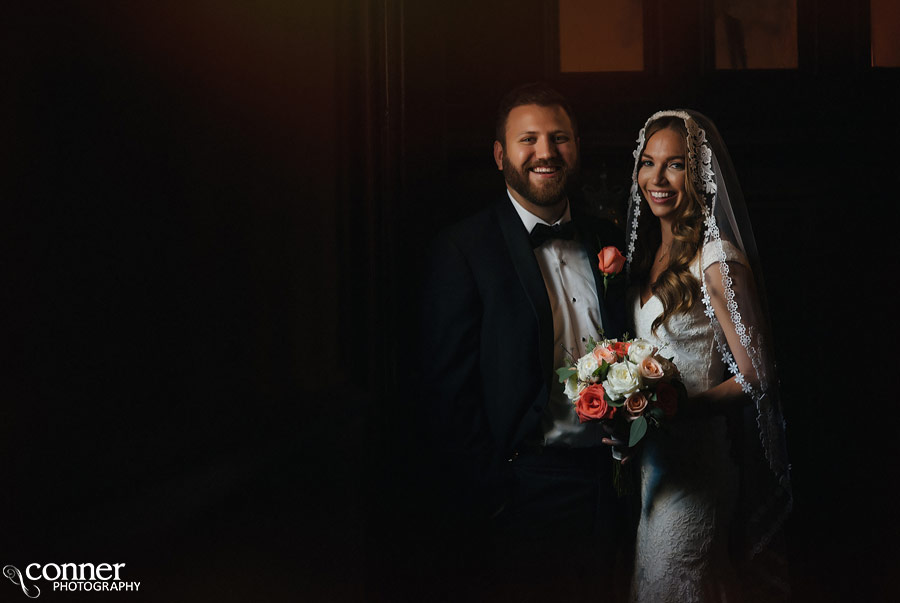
540	154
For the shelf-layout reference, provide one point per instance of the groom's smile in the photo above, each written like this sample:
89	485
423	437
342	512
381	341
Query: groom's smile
545	171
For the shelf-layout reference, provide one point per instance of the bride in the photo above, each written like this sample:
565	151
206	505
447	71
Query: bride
715	485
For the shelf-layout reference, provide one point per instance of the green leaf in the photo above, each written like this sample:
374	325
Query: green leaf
637	431
615	404
565	372
657	413
604	369
653	397
591	344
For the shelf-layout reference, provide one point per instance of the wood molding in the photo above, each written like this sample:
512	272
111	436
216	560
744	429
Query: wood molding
370	129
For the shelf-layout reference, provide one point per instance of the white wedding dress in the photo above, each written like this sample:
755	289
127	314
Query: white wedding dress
689	481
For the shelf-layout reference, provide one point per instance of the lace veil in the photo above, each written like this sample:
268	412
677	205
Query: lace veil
765	490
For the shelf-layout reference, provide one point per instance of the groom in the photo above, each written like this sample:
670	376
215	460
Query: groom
511	292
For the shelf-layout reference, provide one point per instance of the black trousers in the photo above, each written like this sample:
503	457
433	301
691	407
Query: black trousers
563	533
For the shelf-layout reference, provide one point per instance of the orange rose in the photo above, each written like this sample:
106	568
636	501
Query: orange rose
651	369
611	260
667	398
592	406
635	404
604	352
620	348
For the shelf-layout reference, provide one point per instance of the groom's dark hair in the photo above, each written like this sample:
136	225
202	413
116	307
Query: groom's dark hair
536	93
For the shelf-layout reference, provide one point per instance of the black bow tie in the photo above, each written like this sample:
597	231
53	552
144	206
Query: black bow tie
541	233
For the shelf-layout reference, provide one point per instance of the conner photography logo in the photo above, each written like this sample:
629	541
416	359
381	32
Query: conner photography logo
70	577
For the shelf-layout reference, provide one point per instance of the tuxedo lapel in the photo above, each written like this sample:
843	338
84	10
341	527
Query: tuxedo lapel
591	246
529	273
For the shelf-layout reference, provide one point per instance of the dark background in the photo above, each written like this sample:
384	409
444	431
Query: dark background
214	215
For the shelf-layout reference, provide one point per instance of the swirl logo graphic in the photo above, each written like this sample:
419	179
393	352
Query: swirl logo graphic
15	576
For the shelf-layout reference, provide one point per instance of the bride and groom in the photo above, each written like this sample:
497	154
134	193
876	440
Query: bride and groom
515	288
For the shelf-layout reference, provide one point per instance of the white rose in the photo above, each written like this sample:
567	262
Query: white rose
573	388
586	366
640	349
623	379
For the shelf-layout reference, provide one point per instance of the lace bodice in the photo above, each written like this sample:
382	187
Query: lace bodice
688	480
687	337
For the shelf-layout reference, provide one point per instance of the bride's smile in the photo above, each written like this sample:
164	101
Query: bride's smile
662	196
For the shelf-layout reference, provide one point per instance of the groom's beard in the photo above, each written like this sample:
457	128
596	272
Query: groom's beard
543	196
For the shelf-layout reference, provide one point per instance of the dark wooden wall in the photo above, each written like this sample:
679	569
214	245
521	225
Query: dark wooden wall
214	216
181	235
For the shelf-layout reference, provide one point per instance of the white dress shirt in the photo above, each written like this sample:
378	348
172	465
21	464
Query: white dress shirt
572	291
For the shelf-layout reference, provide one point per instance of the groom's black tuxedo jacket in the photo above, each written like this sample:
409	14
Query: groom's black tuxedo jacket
487	341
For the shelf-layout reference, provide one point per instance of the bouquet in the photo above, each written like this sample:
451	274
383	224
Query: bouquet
628	382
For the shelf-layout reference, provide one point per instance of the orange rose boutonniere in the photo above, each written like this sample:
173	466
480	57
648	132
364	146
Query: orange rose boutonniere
611	263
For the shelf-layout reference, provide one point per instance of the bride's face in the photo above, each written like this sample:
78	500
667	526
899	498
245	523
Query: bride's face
662	173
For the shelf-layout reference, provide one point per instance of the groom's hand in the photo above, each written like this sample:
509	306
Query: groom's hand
618	442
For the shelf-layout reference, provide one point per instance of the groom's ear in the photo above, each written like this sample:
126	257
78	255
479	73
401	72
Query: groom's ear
498	155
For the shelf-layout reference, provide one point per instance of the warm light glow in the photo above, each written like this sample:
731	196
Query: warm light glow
605	35
885	33
756	34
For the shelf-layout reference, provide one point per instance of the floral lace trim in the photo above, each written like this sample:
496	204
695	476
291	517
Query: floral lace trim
765	413
635	208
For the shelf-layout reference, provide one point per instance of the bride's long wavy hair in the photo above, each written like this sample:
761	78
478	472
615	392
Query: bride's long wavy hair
676	287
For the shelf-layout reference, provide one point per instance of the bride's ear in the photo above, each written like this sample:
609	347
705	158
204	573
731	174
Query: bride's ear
498	155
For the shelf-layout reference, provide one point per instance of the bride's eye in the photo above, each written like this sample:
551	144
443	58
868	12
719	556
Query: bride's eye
676	165
646	163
